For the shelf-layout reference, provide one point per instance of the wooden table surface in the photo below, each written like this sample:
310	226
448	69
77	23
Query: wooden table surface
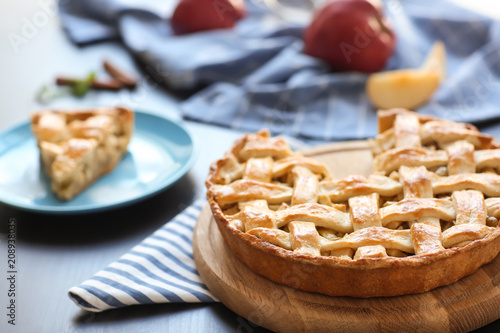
55	253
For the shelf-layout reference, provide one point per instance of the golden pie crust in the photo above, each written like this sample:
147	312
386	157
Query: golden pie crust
77	147
426	217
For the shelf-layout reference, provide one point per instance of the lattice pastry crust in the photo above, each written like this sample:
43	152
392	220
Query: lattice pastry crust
426	217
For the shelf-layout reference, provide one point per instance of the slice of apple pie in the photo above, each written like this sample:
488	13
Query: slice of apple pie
78	147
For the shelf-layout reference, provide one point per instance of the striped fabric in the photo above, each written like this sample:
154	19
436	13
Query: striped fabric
160	269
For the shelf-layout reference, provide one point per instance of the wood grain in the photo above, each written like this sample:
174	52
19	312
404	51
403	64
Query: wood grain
468	304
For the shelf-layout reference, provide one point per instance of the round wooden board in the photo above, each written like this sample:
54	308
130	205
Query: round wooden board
468	304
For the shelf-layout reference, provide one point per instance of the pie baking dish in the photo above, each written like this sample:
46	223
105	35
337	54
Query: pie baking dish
79	146
426	217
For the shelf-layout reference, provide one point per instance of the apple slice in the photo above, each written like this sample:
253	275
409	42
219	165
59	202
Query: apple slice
407	88
436	59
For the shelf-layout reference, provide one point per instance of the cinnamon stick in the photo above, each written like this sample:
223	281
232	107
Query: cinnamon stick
126	79
110	84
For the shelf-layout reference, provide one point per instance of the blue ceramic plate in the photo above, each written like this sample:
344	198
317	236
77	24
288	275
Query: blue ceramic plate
161	151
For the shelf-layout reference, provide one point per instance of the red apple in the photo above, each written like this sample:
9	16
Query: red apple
198	15
350	35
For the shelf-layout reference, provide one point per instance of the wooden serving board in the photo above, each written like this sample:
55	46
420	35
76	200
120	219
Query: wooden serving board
468	304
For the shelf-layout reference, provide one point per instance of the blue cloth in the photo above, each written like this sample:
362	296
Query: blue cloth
256	76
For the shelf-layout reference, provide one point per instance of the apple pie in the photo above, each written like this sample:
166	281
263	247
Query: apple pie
426	217
78	147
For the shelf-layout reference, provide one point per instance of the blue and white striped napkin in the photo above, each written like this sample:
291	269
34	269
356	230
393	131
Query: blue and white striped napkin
160	269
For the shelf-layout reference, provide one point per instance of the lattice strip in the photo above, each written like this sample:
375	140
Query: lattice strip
425	231
384	141
260	169
284	166
260	144
461	158
470	207
371	251
305	186
322	216
488	158
364	211
493	207
387	118
304	238
413	209
365	214
255	214
274	236
407	131
392	159
247	189
227	169
463	234
487	183
342	189
347	253
426	238
417	184
389	239
445	132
